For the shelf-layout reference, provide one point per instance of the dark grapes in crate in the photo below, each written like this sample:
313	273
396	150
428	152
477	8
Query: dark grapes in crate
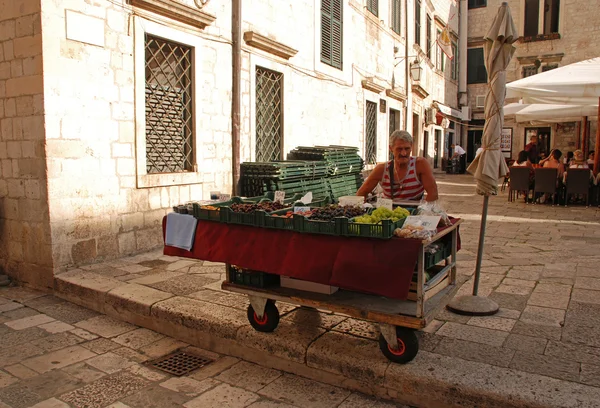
329	212
267	206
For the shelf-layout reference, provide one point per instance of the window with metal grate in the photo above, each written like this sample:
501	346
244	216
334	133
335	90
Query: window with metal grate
332	33
371	133
373	7
396	16
168	106
269	115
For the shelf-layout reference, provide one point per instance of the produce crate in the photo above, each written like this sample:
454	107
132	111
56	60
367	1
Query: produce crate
306	225
249	277
385	230
215	215
434	283
442	253
286	223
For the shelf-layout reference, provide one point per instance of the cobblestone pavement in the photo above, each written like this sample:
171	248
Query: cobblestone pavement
540	264
54	354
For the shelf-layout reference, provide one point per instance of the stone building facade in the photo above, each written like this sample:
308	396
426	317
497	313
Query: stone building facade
89	89
553	33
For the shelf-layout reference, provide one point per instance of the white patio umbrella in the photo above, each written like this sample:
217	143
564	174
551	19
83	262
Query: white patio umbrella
489	165
573	84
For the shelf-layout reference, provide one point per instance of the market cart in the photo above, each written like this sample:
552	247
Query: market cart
397	319
378	279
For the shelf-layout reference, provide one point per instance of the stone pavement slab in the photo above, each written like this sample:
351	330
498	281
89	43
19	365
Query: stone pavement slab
540	350
101	372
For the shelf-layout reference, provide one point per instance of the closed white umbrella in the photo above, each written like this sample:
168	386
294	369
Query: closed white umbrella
489	165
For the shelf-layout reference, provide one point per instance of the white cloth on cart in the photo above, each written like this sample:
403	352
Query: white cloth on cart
181	230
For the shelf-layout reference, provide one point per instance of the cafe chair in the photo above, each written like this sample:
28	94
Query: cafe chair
578	182
545	183
519	182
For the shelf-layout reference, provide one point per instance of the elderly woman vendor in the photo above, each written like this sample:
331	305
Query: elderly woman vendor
405	177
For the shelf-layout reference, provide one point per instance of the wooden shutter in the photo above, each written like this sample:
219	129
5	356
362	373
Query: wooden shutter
373	6
396	16
331	33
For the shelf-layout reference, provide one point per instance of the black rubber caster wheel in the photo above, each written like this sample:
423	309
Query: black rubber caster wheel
408	346
269	321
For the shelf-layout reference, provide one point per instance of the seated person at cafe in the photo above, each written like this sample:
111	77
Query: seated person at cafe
567	159
591	156
523	161
553	162
403	178
579	162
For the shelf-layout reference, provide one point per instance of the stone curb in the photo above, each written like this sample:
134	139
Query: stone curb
340	359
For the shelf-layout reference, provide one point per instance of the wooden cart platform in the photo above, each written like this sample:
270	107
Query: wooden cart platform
397	319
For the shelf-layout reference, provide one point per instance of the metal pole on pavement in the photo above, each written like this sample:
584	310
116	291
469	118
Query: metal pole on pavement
480	248
476	305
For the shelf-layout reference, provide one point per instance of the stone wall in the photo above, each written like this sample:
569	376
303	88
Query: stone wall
88	182
97	209
577	42
25	251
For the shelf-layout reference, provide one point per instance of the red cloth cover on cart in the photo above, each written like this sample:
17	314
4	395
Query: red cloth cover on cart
369	265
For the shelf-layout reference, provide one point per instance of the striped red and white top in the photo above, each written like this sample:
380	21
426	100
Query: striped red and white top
409	188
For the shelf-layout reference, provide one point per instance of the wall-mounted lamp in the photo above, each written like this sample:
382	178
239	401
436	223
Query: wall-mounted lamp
415	71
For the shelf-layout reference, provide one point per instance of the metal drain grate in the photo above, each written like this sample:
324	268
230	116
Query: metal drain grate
180	363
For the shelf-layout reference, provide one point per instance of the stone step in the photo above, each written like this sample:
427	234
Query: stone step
337	358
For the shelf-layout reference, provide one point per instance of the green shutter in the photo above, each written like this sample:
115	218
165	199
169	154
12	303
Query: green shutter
373	6
332	33
396	16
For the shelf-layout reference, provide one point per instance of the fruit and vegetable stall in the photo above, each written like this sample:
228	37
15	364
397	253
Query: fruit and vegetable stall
392	265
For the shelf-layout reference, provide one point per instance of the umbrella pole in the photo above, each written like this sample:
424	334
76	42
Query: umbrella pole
476	305
480	248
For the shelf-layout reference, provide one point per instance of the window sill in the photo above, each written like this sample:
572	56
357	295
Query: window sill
168	179
540	37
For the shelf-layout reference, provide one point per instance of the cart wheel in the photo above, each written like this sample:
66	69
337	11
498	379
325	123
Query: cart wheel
408	346
270	318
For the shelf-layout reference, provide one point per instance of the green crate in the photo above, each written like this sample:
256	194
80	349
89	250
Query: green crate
249	277
306	225
215	215
269	221
385	230
433	259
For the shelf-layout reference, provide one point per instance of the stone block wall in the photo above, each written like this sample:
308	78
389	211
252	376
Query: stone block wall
98	210
25	250
72	127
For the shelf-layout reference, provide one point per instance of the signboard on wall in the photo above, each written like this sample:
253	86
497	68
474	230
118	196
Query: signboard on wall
506	142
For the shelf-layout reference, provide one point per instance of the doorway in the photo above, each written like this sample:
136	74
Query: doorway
474	136
543	143
415	134
426	144
437	143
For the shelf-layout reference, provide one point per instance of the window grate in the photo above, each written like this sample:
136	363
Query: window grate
169	112
529	71
180	363
371	133
269	115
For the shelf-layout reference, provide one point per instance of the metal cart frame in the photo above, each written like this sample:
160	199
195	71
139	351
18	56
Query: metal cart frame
397	319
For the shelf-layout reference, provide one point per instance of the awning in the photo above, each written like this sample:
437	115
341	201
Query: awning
448	111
